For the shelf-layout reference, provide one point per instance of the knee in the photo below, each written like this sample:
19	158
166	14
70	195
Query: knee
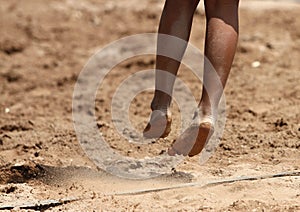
219	4
221	8
183	4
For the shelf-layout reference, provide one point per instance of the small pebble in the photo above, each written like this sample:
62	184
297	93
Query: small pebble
255	64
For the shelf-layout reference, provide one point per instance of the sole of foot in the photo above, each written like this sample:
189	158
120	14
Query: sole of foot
192	140
159	125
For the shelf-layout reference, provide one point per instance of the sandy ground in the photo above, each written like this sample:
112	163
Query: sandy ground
45	44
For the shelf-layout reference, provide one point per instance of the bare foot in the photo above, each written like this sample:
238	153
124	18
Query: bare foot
192	140
159	125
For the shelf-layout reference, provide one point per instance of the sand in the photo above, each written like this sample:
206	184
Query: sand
44	46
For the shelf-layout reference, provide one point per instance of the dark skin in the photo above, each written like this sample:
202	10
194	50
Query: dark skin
220	46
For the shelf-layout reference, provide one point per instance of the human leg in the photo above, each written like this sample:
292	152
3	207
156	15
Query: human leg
220	45
176	20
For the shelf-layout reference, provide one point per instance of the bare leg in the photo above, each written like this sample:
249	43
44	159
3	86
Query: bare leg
176	20
220	45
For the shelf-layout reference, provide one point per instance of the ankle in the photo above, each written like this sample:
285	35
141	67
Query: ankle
205	110
206	114
160	105
162	108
